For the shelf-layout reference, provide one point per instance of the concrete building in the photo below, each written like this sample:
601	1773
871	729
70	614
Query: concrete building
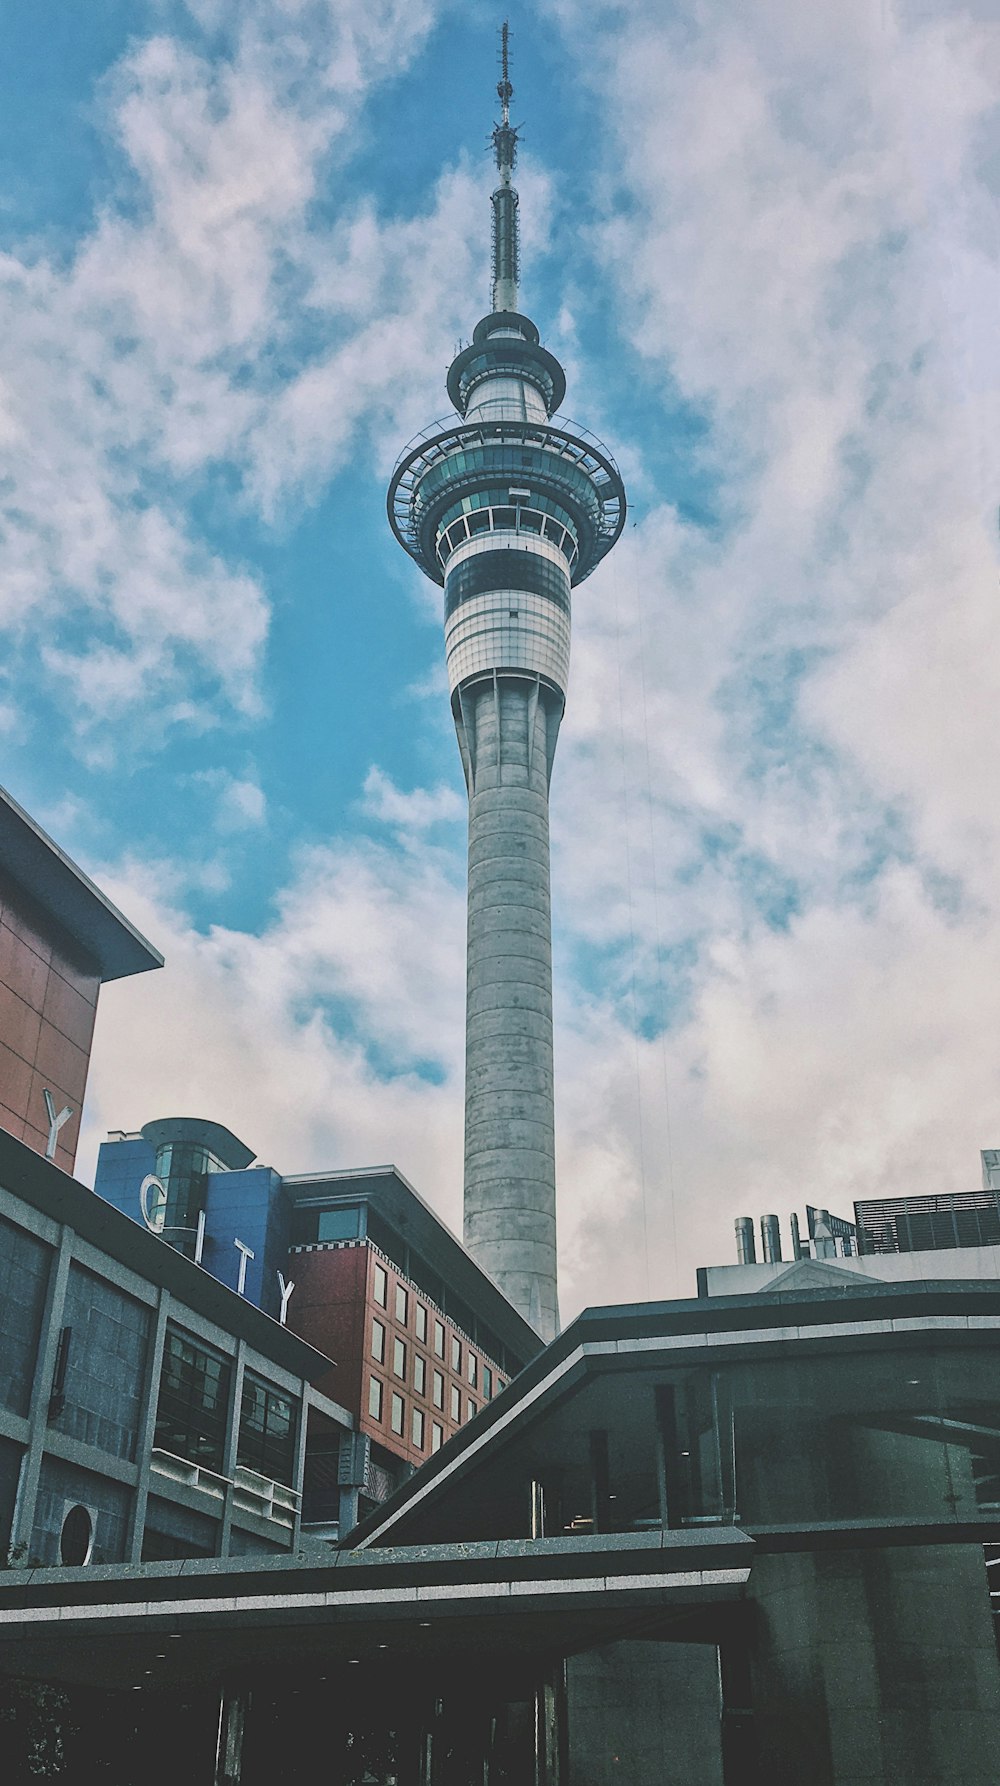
708	1543
146	1412
60	939
508	511
357	1264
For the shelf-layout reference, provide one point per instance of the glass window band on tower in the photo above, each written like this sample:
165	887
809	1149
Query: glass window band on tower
505	570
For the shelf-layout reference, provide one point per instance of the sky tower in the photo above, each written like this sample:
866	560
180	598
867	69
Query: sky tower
508	512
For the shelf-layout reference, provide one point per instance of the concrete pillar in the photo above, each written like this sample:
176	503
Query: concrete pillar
875	1667
508	727
229	1743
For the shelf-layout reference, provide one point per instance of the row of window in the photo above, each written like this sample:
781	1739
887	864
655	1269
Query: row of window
418	1422
479	1373
192	1413
506	520
429	1329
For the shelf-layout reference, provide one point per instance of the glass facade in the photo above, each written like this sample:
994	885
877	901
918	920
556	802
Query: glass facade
267	1431
183	1168
898	1435
193	1402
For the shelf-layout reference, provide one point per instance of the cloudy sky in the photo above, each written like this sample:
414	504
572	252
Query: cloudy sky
240	242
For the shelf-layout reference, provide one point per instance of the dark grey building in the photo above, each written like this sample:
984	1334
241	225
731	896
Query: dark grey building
146	1411
706	1543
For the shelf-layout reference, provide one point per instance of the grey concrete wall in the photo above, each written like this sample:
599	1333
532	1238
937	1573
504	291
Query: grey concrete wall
508	730
649	1714
875	1668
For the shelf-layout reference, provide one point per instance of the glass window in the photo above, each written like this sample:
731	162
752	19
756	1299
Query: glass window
438	1390
419	1374
267	1431
473	1368
381	1287
417	1428
378	1341
437	1436
421	1318
338	1224
399	1358
456	1353
375	1398
398	1413
402	1304
456	1403
487	1382
470	1410
439	1338
193	1405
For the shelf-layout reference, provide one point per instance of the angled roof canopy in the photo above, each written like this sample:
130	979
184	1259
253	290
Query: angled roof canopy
68	896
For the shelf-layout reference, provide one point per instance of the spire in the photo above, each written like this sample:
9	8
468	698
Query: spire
506	268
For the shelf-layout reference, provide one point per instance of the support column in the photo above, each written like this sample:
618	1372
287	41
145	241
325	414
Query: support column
233	1706
874	1667
508	727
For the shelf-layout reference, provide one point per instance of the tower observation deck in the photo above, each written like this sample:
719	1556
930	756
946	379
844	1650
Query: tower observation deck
509	511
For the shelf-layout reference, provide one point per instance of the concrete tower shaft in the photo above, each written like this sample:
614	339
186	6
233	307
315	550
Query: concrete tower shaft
509	512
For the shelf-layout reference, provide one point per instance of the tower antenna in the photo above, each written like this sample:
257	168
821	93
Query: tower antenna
506	247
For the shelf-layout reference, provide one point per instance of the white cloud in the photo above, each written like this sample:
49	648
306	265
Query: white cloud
241	804
775	805
202	334
414	812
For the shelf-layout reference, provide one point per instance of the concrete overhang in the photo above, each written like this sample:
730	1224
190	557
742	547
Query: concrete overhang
103	1626
62	890
605	1350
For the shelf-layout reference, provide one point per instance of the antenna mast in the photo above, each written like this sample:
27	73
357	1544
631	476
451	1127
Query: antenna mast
506	249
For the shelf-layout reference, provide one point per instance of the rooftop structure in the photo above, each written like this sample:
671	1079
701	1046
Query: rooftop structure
509	512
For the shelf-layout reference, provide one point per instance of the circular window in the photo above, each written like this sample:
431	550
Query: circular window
76	1540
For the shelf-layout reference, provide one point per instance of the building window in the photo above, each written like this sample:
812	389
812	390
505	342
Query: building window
456	1403
378	1342
439	1339
399	1358
473	1368
456	1353
398	1413
419	1374
381	1287
338	1224
487	1382
402	1304
267	1431
193	1405
438	1390
374	1398
418	1428
470	1410
421	1319
437	1436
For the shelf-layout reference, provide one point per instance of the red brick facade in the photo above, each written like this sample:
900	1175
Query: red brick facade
48	1000
335	1306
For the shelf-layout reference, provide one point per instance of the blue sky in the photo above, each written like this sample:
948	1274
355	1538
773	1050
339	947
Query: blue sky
240	243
